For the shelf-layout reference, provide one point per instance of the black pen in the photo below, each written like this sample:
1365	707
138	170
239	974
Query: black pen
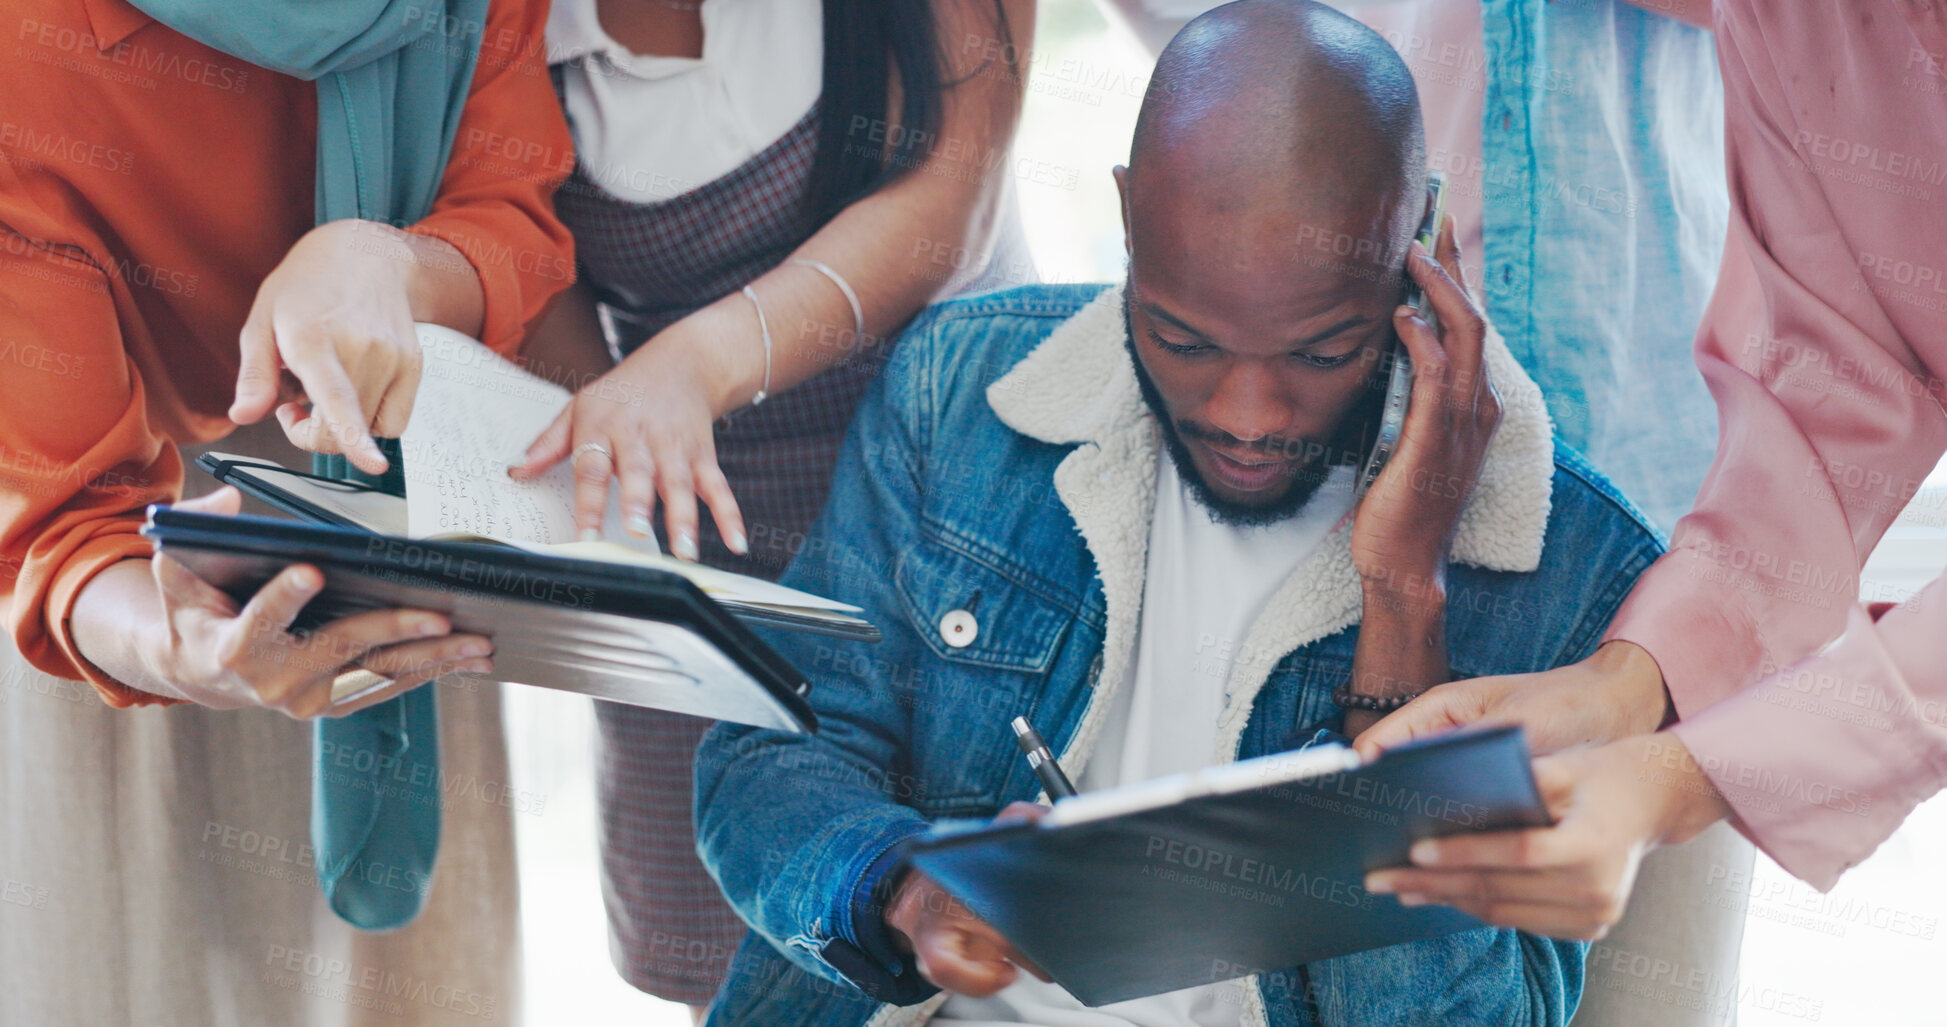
1042	761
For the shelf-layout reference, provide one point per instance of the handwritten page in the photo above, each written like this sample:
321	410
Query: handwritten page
475	415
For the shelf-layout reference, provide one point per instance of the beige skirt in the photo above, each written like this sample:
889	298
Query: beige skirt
156	868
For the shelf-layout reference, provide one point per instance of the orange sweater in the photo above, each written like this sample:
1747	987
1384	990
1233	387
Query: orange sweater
147	185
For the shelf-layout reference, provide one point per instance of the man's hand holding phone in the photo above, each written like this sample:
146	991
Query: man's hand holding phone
1405	524
1407	519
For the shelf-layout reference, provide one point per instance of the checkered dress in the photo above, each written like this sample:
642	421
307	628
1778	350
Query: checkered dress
652	264
671	932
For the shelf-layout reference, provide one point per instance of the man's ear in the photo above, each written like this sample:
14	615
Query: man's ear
1121	174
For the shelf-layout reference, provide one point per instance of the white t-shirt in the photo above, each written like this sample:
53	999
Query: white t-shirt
1205	586
650	128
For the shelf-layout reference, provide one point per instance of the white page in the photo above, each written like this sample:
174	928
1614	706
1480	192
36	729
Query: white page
1223	779
475	415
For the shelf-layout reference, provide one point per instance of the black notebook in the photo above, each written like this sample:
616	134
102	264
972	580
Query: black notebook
474	414
1245	868
353	505
628	634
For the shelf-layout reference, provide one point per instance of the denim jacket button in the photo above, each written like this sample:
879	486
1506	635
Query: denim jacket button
958	629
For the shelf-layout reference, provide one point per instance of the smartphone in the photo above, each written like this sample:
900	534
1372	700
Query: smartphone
1399	385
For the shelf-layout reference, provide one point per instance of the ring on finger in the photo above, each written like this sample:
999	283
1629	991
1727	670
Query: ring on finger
356	683
593	447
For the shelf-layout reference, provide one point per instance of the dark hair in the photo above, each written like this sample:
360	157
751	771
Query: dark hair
865	42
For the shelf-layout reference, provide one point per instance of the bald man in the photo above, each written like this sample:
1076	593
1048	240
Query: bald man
1128	513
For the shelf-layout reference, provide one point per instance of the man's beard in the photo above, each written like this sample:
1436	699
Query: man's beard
1347	445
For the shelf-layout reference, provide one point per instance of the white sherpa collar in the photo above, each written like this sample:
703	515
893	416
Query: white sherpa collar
1078	386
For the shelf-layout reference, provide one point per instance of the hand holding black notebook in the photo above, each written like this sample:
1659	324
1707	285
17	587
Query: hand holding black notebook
1246	868
626	634
611	618
474	415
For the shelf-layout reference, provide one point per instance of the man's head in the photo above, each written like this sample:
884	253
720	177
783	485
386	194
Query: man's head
1276	178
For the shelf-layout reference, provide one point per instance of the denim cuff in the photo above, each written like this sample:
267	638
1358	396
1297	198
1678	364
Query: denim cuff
870	904
868	956
1307	737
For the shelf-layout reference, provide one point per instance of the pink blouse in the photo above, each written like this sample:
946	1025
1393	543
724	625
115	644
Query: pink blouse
1823	722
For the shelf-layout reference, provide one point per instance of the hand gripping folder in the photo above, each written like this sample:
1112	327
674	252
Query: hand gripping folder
1245	868
624	633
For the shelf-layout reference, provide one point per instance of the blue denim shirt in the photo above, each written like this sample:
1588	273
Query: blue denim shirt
935	502
1604	209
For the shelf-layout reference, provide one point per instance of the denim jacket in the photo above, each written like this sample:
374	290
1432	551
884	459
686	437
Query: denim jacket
1005	466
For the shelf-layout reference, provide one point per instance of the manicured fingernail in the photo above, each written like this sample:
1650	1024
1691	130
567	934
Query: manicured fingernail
640	527
476	647
431	626
589	535
737	542
1404	311
1425	853
307	581
1412	899
686	546
477	666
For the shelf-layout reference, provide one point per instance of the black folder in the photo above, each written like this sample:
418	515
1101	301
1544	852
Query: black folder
350	504
1262	868
627	634
260	480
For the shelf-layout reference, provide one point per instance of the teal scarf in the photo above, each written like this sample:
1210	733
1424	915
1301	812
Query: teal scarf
392	79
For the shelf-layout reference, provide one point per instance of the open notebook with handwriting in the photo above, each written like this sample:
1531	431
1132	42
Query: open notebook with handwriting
616	619
474	415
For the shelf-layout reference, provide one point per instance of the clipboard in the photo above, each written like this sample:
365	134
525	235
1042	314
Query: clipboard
1247	868
626	634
